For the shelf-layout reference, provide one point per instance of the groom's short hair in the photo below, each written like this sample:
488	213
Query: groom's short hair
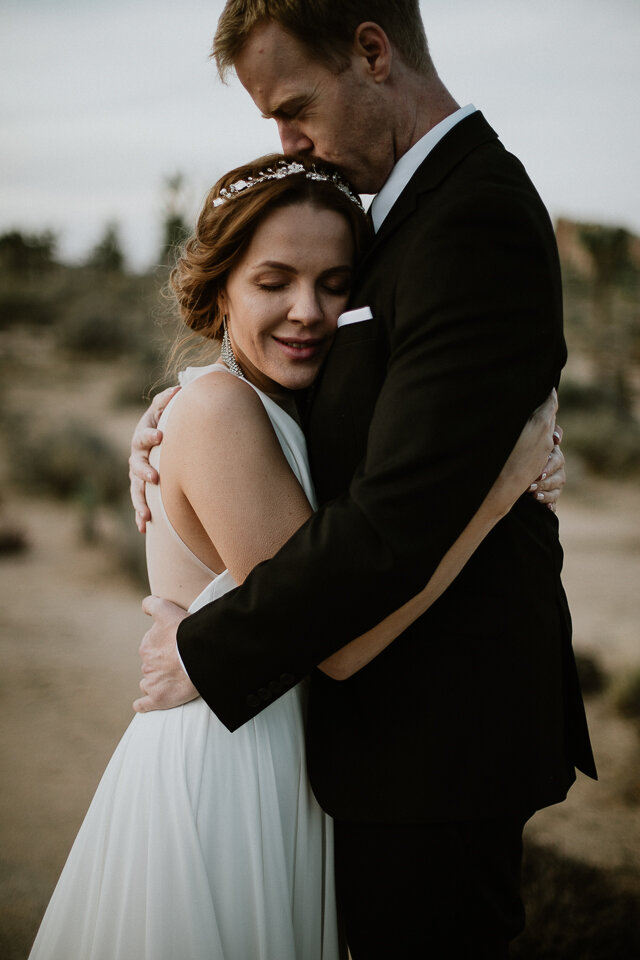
325	27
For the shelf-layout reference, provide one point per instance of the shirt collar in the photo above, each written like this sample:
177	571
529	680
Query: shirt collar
409	163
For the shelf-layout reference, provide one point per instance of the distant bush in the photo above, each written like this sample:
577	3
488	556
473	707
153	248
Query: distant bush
607	443
107	255
585	397
70	462
129	546
19	307
142	384
627	695
576	911
593	679
13	540
100	335
24	253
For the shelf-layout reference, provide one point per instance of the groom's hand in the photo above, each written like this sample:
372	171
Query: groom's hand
165	683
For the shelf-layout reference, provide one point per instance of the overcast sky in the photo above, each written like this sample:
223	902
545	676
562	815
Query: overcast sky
101	100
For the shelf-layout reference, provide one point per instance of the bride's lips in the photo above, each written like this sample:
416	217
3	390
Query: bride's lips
298	348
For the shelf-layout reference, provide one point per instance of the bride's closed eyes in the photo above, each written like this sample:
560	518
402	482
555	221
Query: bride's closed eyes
336	282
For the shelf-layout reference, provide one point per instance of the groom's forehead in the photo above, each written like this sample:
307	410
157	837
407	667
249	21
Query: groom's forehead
275	67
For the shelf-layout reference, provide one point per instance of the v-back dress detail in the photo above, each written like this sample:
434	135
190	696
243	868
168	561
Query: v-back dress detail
201	844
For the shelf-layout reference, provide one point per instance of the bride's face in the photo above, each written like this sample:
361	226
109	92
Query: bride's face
284	297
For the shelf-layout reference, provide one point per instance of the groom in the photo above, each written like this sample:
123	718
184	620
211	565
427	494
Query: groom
433	756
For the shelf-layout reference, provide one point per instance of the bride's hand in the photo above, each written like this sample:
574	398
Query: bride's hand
528	459
165	683
145	437
548	487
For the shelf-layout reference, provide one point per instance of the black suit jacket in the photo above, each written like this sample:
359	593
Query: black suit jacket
476	709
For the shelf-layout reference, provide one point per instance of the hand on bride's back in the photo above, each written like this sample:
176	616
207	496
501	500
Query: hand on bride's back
145	437
165	683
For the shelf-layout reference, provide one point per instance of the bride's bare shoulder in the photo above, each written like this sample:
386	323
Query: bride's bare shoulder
217	405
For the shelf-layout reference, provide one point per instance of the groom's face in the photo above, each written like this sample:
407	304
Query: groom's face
337	117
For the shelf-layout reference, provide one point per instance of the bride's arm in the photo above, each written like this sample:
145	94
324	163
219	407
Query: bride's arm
527	459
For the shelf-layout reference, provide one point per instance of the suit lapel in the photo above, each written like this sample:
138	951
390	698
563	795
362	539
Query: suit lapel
466	136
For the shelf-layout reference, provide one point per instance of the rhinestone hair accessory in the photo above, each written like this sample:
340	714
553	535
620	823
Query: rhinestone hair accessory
281	170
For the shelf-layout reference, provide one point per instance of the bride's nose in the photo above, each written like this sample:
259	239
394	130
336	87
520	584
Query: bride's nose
306	307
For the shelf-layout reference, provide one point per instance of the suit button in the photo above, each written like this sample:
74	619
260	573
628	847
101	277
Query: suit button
275	687
264	694
253	700
287	679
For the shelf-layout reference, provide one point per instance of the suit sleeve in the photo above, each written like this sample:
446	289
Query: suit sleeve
476	344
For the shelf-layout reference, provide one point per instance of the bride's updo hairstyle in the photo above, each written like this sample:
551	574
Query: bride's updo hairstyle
232	212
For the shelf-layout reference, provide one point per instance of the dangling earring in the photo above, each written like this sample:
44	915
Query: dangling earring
226	352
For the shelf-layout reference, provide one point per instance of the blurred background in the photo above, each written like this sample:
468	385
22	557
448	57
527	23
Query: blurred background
114	126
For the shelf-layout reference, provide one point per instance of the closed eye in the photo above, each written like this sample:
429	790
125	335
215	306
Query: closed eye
288	110
337	289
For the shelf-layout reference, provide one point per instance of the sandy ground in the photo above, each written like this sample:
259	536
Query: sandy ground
70	623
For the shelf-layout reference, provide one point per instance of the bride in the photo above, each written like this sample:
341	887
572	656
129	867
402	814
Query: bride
199	843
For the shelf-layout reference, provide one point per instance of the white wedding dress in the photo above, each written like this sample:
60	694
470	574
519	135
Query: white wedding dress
201	844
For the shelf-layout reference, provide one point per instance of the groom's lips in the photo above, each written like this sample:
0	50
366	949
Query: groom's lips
299	348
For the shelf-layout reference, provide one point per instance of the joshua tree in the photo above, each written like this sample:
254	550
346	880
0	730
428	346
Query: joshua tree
175	229
107	254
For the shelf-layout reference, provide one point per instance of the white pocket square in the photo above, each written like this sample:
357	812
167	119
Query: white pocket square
355	316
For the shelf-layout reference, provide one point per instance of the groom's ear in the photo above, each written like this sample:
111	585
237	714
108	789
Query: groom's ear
373	46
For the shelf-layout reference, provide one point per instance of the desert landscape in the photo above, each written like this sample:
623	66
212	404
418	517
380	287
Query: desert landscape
78	348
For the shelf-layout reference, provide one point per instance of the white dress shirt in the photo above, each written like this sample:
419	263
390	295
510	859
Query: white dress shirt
409	163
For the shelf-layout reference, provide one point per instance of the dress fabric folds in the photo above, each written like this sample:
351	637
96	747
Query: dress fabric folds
199	843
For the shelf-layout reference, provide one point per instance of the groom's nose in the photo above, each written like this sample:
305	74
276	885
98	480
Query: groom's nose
292	139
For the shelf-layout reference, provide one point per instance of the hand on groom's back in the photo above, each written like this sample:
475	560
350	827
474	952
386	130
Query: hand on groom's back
145	437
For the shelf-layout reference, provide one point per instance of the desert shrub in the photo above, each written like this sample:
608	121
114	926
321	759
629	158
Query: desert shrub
22	253
593	679
70	461
22	307
599	428
106	315
96	334
585	397
138	387
13	540
107	255
129	546
576	911
627	695
607	443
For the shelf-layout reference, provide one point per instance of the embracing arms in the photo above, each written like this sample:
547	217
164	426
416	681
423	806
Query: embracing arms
532	452
231	494
477	343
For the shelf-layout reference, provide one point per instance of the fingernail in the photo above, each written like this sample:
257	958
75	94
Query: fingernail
534	486
539	496
556	434
543	476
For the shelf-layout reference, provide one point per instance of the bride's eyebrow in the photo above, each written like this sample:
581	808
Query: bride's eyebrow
275	265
